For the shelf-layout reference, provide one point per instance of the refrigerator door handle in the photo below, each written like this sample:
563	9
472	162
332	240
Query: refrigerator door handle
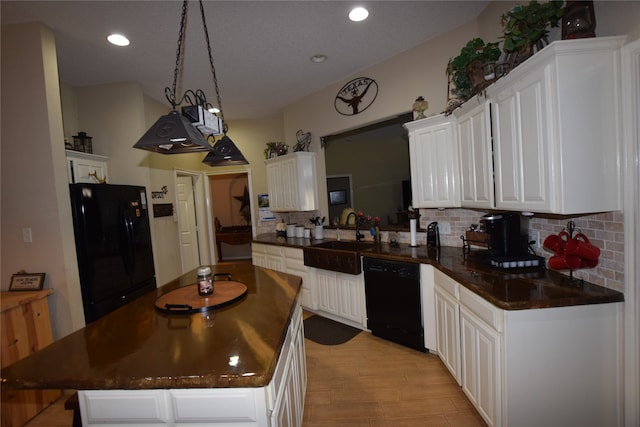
129	251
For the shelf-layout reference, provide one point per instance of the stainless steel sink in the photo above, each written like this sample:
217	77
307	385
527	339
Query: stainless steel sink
336	255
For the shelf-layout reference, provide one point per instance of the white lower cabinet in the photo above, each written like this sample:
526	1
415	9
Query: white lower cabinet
427	294
117	407
448	332
294	264
480	363
268	256
288	399
341	296
447	323
280	404
559	366
338	296
287	260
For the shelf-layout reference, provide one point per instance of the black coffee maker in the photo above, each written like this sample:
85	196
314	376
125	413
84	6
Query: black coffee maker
505	236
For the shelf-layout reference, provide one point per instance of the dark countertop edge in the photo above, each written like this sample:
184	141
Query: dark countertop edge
424	258
212	381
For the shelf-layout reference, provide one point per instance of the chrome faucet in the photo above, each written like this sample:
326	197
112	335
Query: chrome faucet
359	236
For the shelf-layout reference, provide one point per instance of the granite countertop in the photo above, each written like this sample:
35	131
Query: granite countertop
526	289
139	347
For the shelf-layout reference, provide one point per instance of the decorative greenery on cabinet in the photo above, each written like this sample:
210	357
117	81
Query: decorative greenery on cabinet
466	71
526	28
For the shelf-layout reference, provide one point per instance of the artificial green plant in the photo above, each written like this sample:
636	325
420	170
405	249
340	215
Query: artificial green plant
525	27
459	67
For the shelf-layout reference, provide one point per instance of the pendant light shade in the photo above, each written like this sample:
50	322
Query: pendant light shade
177	133
173	134
225	153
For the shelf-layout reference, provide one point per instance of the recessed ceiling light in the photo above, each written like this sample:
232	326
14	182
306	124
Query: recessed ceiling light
318	58
358	14
118	40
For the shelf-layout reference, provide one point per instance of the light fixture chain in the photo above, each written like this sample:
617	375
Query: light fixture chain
213	68
179	55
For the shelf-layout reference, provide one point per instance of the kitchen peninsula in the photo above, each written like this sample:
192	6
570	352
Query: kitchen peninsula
242	363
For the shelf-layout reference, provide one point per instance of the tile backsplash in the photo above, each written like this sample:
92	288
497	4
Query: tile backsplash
604	230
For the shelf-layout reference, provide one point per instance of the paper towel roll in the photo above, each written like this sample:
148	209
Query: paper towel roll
413	225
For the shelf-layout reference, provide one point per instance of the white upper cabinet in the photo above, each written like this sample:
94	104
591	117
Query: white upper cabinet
556	130
86	168
292	182
433	153
476	157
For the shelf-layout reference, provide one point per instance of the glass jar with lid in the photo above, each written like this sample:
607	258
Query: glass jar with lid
205	281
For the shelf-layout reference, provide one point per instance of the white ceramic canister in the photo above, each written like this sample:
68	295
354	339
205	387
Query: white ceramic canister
299	231
318	232
291	230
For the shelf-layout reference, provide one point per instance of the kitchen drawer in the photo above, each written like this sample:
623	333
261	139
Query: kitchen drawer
487	312
446	283
123	406
294	259
294	254
215	405
273	250
258	248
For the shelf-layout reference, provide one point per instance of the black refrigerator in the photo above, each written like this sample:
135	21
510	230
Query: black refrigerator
113	245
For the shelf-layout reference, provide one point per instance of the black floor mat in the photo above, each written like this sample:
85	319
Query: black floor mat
328	332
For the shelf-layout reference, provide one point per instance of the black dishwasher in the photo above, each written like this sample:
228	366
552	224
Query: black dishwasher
394	309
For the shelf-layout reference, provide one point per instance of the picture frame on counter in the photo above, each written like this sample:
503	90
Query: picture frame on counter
27	282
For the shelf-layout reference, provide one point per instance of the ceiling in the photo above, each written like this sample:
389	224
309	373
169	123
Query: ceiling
261	49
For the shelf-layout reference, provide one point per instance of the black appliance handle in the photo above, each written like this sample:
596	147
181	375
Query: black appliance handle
129	250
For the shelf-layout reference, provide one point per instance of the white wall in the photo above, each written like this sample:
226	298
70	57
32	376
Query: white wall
34	178
416	72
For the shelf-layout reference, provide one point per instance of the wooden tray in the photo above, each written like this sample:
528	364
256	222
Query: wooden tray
186	300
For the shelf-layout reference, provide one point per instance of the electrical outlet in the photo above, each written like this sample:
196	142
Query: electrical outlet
535	236
444	227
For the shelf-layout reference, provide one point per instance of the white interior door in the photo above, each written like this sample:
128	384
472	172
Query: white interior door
187	224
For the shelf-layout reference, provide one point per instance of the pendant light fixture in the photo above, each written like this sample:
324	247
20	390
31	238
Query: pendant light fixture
182	132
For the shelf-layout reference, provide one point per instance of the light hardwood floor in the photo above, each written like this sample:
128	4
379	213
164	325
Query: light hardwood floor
372	382
366	381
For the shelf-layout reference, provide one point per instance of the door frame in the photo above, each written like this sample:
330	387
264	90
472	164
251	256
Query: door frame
213	256
200	205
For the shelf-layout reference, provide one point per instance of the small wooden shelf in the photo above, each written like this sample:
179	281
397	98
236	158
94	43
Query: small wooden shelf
26	328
